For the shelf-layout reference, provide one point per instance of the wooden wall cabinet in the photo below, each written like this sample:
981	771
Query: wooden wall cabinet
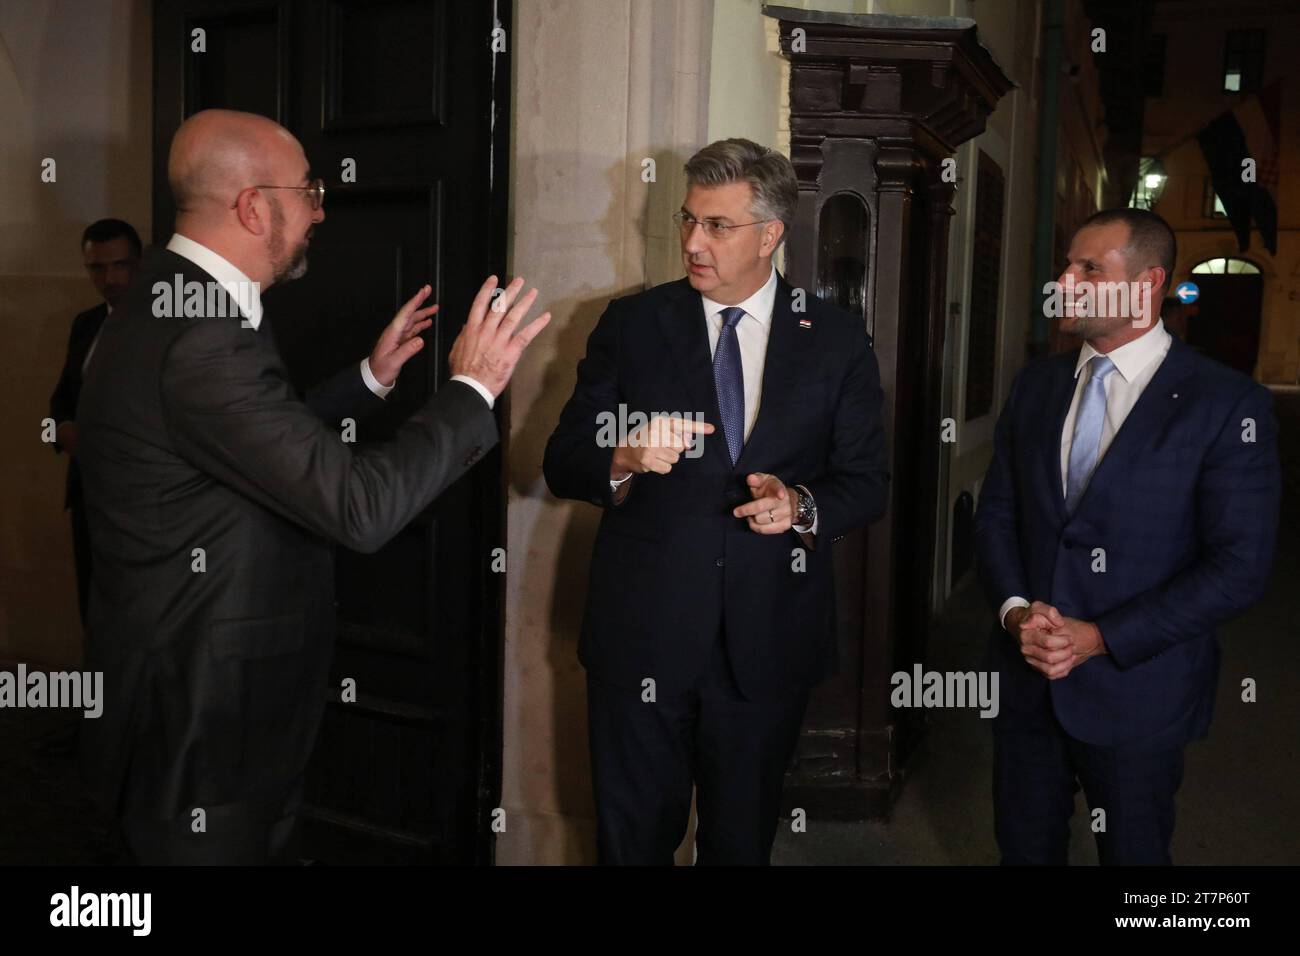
877	103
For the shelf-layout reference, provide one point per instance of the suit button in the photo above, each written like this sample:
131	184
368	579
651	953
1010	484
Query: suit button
720	562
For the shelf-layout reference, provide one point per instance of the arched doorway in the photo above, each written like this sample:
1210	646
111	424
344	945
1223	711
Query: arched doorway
1224	320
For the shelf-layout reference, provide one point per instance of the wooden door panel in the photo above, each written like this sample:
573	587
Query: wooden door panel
377	245
1225	320
379	71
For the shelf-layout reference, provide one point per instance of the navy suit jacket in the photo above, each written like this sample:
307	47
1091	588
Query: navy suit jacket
671	565
1182	510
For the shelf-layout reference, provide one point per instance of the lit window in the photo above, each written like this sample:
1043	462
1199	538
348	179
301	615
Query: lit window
1223	266
1243	60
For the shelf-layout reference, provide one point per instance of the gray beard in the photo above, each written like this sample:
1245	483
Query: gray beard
282	269
295	270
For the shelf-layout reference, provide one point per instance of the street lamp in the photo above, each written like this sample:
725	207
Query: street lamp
1150	183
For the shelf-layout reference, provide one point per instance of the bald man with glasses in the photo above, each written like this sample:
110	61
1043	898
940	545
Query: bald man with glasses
194	443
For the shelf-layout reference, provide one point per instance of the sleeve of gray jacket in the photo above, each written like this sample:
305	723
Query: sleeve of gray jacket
232	413
343	395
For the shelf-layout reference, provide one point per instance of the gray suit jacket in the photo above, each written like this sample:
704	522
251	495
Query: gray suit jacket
193	438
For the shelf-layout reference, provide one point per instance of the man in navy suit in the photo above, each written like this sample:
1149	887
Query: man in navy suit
710	607
110	250
1131	508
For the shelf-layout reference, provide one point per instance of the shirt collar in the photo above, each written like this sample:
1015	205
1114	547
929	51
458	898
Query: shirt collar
759	305
244	291
1131	357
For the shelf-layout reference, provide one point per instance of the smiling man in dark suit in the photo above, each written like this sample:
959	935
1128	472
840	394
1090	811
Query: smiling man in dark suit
215	494
110	251
1131	508
710	608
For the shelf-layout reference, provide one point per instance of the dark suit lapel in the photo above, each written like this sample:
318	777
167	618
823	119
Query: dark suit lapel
682	322
86	333
1148	416
96	321
788	348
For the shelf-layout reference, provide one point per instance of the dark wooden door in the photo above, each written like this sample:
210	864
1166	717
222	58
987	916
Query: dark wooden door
410	94
1224	322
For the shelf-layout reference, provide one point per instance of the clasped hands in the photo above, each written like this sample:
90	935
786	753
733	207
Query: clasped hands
659	444
1052	643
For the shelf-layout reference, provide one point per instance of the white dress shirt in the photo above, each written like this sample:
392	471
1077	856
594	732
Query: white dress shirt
95	341
1136	363
247	296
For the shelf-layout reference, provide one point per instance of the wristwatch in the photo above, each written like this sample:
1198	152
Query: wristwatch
807	513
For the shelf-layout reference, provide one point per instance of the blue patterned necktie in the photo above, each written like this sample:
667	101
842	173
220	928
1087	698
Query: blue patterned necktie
729	380
1086	446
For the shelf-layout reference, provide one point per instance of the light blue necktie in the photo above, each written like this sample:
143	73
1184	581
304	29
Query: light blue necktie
1086	446
729	380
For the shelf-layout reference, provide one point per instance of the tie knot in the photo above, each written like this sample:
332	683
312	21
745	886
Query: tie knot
731	315
1101	367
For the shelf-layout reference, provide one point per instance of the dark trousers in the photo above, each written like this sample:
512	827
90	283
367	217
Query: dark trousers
646	757
251	833
81	555
1036	774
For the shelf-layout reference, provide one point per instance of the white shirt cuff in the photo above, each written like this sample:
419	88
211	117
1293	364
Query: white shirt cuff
474	384
1007	605
372	383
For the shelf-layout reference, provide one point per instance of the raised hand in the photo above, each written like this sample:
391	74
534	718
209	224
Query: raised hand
401	339
489	347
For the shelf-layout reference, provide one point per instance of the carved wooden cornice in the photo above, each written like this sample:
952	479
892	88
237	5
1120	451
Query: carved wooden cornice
920	82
